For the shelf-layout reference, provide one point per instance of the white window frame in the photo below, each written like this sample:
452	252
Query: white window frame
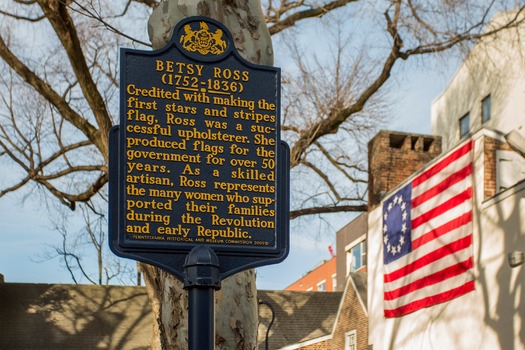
348	256
323	282
348	337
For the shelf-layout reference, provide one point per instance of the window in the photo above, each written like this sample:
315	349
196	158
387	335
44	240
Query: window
485	109
510	169
356	257
351	340
334	282
464	125
321	286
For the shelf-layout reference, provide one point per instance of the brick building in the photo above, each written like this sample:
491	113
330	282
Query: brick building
351	326
349	329
394	156
320	279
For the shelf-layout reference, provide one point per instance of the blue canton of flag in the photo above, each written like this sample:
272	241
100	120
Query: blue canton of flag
397	241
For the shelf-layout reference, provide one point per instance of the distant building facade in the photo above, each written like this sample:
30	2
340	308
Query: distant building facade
486	91
322	278
351	249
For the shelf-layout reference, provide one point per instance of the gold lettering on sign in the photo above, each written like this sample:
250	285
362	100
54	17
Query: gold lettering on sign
200	150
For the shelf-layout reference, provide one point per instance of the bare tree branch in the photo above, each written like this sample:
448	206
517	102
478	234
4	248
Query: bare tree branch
47	91
336	118
294	214
23	18
278	24
325	178
149	3
94	15
56	13
339	165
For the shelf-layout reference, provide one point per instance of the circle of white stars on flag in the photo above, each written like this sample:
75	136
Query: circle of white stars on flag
394	244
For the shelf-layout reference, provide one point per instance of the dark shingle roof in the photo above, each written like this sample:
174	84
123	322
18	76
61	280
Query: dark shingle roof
361	285
299	316
47	316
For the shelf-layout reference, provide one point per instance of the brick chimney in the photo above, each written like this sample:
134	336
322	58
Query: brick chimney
394	156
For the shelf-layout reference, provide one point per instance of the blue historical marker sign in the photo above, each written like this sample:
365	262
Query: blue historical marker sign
197	158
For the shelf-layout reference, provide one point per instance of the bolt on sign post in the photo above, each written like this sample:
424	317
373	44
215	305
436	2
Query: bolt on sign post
199	178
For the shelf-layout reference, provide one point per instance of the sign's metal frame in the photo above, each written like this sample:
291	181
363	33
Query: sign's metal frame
171	256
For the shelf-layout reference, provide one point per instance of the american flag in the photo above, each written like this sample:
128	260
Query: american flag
427	236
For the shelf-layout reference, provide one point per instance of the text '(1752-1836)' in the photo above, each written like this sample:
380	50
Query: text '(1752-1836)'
200	153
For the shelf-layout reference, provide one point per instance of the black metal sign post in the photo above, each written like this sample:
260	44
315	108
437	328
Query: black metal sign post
201	281
199	178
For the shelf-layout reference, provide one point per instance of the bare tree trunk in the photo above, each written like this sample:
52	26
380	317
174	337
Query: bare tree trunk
236	302
244	19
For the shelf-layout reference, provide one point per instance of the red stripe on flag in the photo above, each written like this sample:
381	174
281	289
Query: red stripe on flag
442	208
429	280
443	185
432	300
437	254
442	164
441	230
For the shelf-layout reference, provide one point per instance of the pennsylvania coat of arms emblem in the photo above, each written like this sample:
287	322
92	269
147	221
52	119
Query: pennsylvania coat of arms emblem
203	40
